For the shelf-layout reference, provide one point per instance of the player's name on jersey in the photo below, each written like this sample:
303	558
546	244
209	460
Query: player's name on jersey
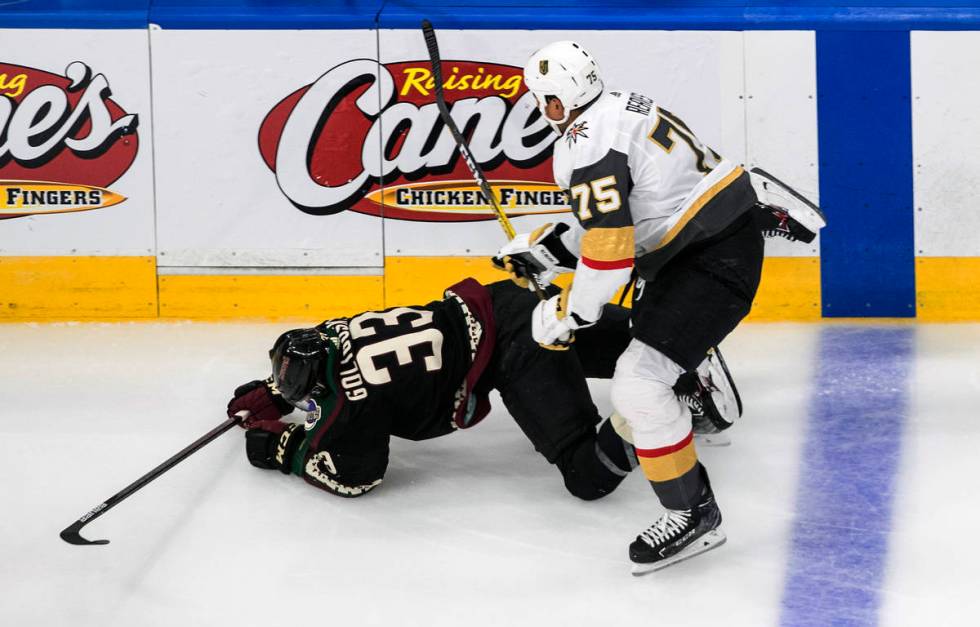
638	103
349	372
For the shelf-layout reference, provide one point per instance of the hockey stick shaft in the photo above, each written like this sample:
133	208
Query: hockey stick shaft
72	535
464	148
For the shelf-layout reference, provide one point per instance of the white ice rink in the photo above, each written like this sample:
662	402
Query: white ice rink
849	497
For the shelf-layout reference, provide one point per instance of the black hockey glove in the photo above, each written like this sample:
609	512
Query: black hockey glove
271	445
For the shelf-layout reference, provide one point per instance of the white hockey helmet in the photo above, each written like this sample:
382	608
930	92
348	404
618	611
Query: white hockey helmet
565	70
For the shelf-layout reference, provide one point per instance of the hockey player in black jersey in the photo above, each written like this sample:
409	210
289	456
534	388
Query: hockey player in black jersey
424	372
654	202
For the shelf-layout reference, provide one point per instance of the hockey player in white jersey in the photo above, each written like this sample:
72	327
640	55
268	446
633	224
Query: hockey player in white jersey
649	198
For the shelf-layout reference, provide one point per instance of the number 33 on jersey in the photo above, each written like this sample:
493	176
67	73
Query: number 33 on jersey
403	369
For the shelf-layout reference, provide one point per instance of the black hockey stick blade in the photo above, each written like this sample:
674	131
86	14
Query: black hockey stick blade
72	533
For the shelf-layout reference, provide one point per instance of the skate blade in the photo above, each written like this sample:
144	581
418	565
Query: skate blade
711	540
810	219
712	439
799	207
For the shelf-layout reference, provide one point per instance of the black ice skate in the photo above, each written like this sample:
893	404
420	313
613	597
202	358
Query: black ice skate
782	211
713	399
678	535
776	222
707	434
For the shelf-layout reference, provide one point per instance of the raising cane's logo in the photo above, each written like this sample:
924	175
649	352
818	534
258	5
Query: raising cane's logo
369	138
62	141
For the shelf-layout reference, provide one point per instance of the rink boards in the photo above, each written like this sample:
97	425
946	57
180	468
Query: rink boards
268	171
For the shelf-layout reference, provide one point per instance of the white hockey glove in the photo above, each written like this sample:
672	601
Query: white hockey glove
550	327
540	253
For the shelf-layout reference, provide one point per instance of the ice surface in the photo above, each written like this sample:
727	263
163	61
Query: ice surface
476	528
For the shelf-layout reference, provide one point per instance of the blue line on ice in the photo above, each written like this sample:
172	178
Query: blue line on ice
848	466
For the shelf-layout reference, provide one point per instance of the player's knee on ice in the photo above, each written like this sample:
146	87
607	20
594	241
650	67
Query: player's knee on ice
595	465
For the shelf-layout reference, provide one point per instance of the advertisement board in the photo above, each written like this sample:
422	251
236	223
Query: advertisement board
75	155
272	159
321	153
230	194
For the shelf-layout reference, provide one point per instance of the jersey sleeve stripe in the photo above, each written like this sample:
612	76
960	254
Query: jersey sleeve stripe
609	244
595	264
697	205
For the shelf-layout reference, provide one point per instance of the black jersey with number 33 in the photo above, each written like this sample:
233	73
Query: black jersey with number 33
401	372
403	366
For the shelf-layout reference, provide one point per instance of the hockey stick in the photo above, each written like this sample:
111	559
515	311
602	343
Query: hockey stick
464	148
72	535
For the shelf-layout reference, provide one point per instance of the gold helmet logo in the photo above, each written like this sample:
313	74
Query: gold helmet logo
543	66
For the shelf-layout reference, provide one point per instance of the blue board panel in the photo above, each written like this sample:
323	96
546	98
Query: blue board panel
848	477
265	14
74	14
682	15
497	14
865	143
